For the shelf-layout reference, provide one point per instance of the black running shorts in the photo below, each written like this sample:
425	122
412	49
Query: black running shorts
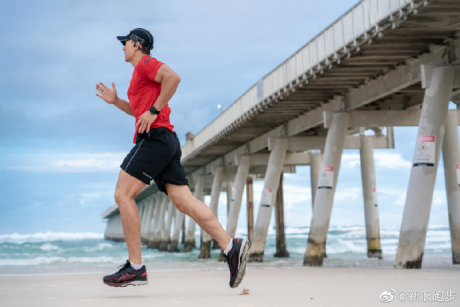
156	156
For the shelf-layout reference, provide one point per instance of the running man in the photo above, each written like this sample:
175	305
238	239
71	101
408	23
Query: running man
156	156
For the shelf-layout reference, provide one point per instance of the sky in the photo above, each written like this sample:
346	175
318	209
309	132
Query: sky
61	146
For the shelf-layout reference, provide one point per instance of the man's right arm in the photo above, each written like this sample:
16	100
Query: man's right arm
124	106
109	95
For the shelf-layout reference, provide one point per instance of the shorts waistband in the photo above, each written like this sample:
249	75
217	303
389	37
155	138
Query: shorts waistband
152	133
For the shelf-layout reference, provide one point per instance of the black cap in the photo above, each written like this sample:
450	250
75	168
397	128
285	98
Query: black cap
140	35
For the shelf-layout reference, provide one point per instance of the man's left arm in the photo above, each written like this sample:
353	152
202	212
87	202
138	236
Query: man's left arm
169	81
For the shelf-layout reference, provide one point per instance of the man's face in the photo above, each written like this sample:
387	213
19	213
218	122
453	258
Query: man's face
129	50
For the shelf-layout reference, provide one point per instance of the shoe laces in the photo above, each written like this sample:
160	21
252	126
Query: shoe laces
122	268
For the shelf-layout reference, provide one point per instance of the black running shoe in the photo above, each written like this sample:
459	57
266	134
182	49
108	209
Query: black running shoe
127	275
236	260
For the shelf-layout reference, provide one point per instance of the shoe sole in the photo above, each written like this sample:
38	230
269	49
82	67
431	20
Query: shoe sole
242	271
131	283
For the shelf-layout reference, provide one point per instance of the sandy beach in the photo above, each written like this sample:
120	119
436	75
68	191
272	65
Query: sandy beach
305	286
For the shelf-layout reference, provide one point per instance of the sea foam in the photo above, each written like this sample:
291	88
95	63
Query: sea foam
48	237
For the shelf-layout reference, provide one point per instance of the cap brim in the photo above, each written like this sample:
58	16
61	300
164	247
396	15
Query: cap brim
123	39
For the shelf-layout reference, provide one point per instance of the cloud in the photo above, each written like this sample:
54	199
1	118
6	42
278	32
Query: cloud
294	195
350	160
439	196
348	194
390	160
66	163
385	160
401	200
85	197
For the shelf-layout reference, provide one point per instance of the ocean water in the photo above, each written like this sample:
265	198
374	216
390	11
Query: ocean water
83	253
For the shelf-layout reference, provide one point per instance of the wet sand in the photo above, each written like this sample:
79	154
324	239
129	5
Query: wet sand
305	286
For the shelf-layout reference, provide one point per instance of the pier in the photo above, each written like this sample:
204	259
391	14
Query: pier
382	64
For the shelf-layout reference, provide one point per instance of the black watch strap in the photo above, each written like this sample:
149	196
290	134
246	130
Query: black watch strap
154	110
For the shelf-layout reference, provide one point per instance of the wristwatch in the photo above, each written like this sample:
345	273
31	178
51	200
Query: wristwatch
154	110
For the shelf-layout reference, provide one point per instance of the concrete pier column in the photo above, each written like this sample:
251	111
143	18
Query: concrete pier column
160	227
141	209
167	233
229	191
214	202
237	195
108	229
156	219
324	198
451	156
119	234
250	207
425	163
149	230
183	231
147	221
143	218
154	201
190	234
279	214
267	200
371	211
178	223
315	169
112	228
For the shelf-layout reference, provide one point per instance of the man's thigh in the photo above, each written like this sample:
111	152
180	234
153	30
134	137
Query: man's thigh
128	186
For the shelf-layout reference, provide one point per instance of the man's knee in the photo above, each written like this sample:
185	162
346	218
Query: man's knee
127	188
121	197
180	198
180	202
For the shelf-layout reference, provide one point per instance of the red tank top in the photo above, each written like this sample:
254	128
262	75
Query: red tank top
143	92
